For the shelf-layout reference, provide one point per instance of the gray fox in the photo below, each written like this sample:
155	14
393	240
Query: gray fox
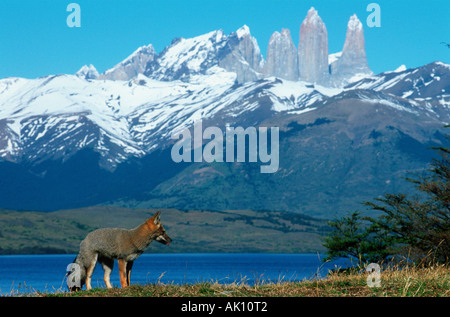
105	245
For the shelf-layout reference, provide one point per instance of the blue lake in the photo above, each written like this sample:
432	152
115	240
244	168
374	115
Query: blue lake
46	273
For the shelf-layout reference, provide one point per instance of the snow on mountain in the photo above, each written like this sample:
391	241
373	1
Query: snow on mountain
186	57
238	53
87	72
426	87
400	69
295	95
425	82
54	116
334	57
243	31
57	115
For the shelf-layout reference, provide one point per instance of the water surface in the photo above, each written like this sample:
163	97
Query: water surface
46	273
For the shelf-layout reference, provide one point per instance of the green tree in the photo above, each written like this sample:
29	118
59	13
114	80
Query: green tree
415	227
353	237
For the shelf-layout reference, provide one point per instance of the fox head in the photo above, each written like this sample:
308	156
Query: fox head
159	233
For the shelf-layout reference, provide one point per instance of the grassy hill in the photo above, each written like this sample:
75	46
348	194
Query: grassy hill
29	232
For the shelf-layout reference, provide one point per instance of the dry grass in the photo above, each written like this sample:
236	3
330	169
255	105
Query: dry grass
433	281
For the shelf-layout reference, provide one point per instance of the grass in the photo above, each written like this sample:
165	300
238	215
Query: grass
28	232
433	281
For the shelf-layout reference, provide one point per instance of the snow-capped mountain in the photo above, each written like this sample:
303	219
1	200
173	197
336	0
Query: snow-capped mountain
186	57
239	53
46	125
422	83
426	87
69	133
55	116
87	72
203	55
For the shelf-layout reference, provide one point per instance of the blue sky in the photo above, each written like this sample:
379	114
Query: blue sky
36	41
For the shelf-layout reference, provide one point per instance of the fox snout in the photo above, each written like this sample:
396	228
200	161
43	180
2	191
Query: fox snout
74	289
164	239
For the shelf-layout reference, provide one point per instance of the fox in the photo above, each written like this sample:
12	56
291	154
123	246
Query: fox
109	244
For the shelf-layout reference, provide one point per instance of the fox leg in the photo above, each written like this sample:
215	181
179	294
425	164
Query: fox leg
90	270
123	272
129	267
107	265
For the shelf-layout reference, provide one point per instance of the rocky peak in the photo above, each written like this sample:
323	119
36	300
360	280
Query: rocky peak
248	48
354	24
133	65
313	49
312	17
353	61
241	54
354	39
282	56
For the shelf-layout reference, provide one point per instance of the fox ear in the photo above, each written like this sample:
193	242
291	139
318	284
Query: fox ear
156	219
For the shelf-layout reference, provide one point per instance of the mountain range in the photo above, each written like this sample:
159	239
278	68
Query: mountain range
240	54
346	134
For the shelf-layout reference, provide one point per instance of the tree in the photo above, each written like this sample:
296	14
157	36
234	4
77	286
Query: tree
415	227
351	237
